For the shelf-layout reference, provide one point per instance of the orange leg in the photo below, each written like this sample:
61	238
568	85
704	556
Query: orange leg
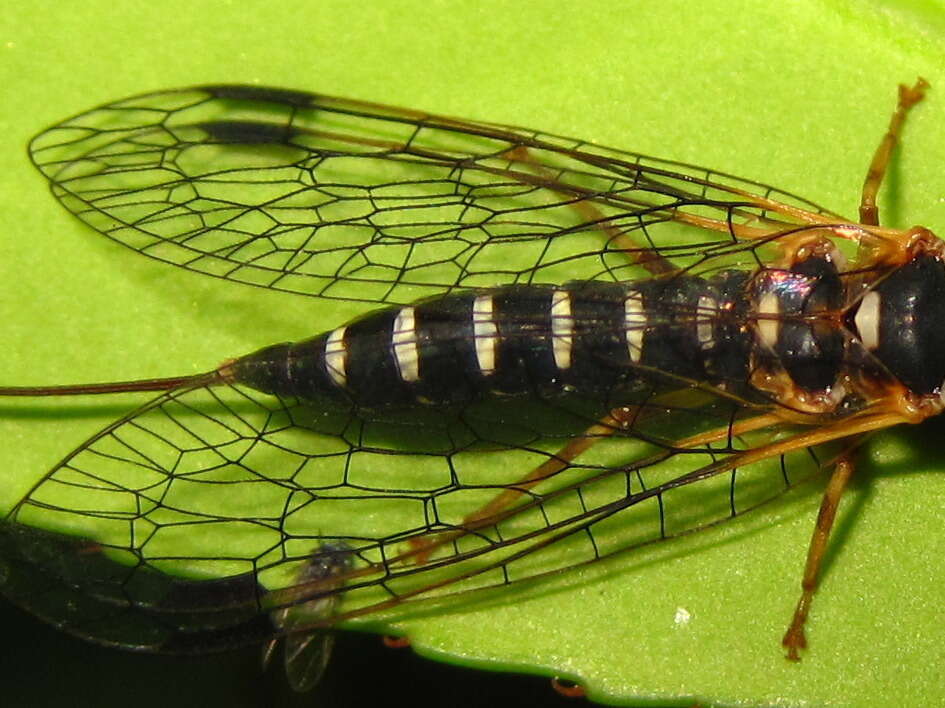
501	506
794	639
617	419
393	642
637	253
869	212
490	513
566	688
908	97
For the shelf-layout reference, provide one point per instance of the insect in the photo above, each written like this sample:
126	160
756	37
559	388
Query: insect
306	653
560	352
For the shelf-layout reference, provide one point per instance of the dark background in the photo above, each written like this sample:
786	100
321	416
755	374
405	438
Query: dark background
40	666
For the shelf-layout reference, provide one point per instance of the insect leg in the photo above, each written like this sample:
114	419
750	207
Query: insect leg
392	641
869	212
567	688
794	639
489	513
619	419
908	97
638	253
894	410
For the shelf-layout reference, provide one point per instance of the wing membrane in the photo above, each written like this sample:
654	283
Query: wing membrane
351	200
227	483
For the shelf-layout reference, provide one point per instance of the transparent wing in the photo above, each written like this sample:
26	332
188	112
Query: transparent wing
351	200
231	486
307	658
306	652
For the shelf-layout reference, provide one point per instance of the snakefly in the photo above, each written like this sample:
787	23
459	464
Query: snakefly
560	352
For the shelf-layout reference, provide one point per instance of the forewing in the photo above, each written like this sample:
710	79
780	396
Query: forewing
351	200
